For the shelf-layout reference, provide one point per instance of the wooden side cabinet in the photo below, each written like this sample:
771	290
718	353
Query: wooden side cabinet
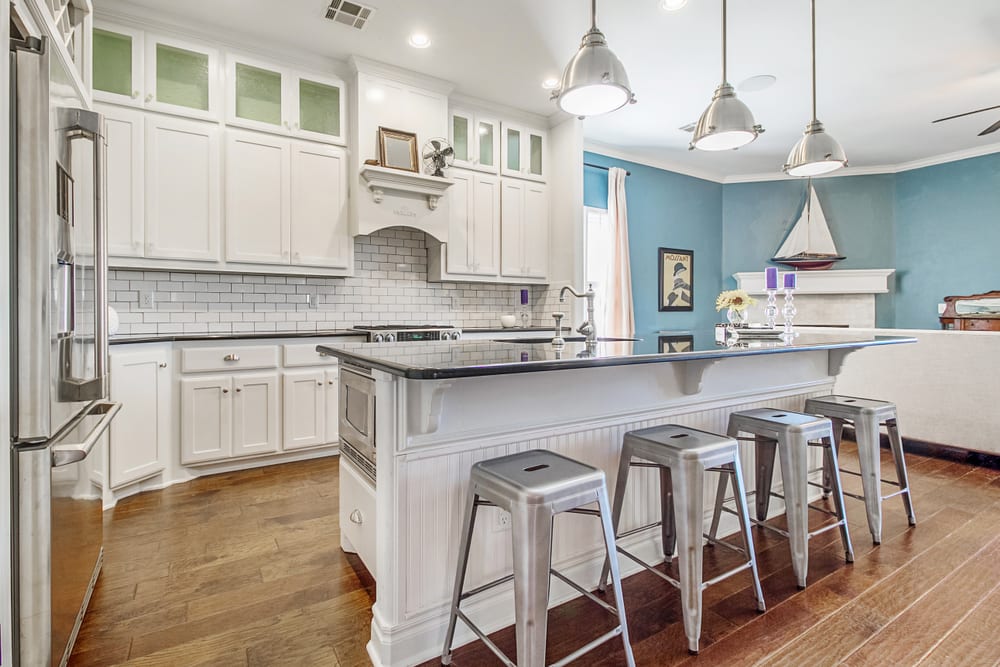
140	434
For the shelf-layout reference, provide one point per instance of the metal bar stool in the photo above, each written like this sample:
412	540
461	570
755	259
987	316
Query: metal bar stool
534	486
791	434
867	415
683	455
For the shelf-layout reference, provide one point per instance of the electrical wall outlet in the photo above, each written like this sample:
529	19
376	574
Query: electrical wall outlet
312	299
502	522
146	301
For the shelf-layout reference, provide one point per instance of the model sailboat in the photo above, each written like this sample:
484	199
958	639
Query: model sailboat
809	245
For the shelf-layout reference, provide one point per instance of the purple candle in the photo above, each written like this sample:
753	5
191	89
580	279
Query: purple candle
524	297
771	277
790	280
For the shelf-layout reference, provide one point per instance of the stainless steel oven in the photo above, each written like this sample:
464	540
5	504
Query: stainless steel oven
357	418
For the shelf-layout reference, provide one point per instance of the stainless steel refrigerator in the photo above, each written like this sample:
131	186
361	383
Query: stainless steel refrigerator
59	355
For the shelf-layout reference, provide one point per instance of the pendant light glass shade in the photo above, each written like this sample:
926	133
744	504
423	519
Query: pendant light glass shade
816	152
727	123
594	81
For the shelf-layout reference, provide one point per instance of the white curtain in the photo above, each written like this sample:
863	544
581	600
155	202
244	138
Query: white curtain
619	316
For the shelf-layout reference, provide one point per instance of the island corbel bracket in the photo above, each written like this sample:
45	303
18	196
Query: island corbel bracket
836	360
425	401
692	374
380	180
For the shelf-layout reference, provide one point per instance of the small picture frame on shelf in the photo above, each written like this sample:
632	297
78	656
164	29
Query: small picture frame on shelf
676	280
397	149
674	344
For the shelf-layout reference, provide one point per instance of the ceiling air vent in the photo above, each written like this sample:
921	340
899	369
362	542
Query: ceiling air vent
349	13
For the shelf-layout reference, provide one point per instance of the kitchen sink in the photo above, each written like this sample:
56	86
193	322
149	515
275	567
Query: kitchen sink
535	340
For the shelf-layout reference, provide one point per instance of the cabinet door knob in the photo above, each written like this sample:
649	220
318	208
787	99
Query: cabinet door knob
163	364
356	517
225	391
319	384
296	126
135	94
149	98
329	382
239	389
231	357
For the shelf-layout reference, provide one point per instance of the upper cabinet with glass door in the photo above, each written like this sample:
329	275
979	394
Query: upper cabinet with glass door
522	152
269	98
476	140
143	70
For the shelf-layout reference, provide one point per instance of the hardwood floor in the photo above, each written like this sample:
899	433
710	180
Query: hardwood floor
246	569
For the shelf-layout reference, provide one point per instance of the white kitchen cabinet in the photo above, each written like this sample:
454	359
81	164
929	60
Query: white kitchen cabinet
206	418
181	77
474	228
257	197
304	409
475	139
255	414
182	189
522	152
332	397
319	234
140	434
117	74
524	230
270	98
124	168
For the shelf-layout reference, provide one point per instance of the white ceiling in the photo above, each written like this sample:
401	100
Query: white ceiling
886	68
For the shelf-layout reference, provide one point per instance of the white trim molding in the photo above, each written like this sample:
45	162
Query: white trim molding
843	281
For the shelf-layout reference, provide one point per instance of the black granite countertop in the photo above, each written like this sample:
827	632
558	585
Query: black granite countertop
434	361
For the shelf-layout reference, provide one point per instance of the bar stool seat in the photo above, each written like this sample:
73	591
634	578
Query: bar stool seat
867	415
534	486
683	455
789	434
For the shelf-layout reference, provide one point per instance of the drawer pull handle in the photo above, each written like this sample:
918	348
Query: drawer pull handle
231	357
356	517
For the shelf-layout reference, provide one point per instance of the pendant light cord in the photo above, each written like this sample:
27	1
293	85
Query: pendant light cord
724	41
814	57
593	14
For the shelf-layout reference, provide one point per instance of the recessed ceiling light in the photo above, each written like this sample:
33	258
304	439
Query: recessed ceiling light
673	5
419	40
550	83
757	83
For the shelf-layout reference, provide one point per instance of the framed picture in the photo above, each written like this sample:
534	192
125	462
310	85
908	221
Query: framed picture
676	280
397	149
670	344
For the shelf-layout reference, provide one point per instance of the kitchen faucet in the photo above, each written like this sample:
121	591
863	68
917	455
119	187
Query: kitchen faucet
588	328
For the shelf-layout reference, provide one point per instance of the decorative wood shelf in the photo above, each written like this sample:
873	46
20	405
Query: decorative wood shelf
837	281
381	179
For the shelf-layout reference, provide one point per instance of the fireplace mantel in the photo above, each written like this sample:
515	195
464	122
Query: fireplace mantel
843	281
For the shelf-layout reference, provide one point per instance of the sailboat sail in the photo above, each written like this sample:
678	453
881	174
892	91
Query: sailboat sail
810	236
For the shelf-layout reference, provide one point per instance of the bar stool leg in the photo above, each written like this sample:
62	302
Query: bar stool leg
532	538
744	516
624	467
838	499
465	543
899	459
720	500
765	475
616	580
792	457
689	499
869	458
668	526
838	436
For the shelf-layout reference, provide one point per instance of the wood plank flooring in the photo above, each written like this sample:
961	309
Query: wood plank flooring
246	569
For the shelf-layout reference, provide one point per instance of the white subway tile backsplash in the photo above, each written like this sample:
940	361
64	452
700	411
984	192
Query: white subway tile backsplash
390	286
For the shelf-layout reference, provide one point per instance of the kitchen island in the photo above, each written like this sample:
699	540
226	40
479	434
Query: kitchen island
437	408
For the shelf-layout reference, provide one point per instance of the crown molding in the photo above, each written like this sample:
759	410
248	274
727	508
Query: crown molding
638	158
384	70
494	109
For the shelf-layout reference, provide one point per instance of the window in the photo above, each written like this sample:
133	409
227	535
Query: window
598	245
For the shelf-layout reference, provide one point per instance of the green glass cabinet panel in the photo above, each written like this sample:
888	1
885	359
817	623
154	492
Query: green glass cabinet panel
460	135
513	150
258	94
112	62
486	144
535	157
182	77
319	107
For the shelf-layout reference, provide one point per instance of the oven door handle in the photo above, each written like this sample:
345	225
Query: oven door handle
63	455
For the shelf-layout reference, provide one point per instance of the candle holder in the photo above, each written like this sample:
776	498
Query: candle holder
771	309
789	312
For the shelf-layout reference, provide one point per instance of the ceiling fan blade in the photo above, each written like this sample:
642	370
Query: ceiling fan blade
967	113
991	129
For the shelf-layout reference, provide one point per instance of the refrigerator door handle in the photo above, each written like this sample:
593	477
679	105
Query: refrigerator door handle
65	454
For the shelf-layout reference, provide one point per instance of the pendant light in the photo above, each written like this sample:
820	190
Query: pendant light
727	123
594	81
817	152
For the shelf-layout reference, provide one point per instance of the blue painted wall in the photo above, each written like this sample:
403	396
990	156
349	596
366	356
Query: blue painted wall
670	210
948	236
756	217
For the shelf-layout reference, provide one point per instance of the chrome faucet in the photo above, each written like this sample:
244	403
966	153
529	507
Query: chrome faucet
588	328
